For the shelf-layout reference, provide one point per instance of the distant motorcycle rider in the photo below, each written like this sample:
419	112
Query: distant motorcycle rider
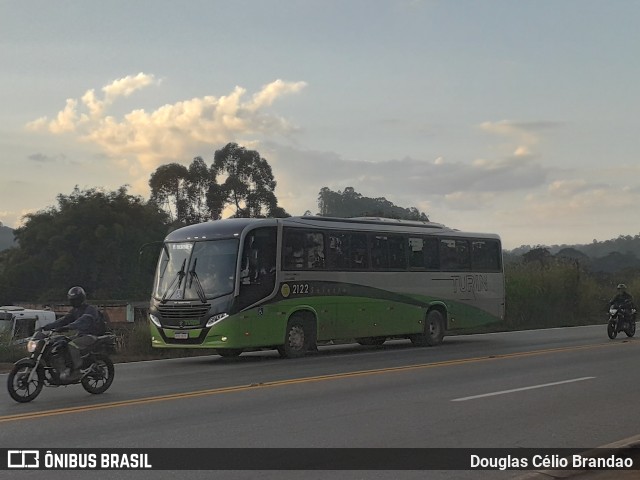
86	320
622	299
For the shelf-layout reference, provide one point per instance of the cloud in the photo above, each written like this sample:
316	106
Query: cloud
406	182
522	137
126	86
527	131
14	219
579	201
42	158
568	188
172	132
271	92
66	119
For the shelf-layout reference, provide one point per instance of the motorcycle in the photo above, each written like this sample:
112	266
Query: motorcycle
621	319
47	360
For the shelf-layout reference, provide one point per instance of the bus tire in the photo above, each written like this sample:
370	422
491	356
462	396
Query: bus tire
297	339
434	329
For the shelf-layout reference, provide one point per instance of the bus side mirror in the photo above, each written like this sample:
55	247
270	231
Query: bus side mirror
148	257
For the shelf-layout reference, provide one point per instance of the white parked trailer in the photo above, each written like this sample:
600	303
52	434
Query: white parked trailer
22	322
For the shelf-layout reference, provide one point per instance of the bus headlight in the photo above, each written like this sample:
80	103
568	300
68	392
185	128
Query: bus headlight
155	320
216	318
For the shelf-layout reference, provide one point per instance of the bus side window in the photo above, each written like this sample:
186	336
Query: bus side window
485	255
335	251
293	251
338	251
463	254
347	251
397	253
379	252
416	252
314	242
359	254
431	256
454	254
303	250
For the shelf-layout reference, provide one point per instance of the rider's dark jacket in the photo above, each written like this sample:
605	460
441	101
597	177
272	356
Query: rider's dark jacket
84	319
623	299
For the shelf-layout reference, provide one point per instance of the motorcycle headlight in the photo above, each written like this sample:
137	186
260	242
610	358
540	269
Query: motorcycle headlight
33	345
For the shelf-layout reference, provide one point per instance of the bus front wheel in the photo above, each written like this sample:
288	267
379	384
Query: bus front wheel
433	331
297	338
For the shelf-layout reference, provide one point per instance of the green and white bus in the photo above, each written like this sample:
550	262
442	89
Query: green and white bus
294	283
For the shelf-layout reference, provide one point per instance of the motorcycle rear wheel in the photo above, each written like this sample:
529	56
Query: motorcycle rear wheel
20	388
612	330
631	329
101	377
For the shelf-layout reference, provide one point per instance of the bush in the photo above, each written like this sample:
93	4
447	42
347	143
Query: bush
555	294
9	352
134	343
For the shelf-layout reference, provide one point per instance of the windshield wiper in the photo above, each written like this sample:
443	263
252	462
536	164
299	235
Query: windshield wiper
179	276
194	276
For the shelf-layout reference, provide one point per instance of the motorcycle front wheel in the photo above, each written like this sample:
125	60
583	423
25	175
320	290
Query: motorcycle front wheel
20	387
100	378
612	330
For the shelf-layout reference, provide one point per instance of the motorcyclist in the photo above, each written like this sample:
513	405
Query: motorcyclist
83	318
622	299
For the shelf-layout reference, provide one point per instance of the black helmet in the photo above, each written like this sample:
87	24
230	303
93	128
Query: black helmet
76	296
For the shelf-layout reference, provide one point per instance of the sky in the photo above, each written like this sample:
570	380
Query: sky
513	117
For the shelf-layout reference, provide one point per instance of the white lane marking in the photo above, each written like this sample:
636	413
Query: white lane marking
464	399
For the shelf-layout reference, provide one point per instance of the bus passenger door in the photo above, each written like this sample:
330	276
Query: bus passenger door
257	266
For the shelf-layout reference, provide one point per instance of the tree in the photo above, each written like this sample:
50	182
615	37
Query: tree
349	203
169	190
91	239
193	195
538	254
249	185
182	191
198	181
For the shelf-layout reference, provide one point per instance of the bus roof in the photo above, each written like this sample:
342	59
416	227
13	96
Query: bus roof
233	227
216	229
381	224
371	221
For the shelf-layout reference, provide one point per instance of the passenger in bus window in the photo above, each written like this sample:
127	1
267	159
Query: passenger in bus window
293	251
298	257
358	260
267	261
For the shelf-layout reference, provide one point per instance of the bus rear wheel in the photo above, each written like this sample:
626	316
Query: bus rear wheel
433	331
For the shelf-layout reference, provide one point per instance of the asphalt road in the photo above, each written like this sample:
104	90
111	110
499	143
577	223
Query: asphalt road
570	387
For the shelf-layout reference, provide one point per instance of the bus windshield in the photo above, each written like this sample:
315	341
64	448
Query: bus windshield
192	270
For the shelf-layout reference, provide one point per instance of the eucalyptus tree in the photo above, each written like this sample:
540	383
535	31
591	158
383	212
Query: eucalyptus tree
248	186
